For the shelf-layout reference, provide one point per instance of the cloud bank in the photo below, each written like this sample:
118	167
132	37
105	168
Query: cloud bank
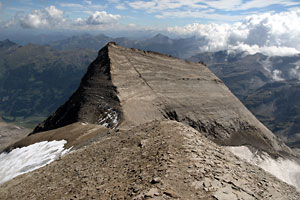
271	34
102	18
52	17
42	18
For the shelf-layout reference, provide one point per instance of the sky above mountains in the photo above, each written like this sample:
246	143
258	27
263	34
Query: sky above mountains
252	25
148	14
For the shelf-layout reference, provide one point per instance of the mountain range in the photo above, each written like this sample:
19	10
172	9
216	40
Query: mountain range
180	48
249	77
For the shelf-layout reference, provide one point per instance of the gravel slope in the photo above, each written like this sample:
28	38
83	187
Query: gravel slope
158	160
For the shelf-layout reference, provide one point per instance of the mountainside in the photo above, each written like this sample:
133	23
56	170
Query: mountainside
157	160
35	80
268	86
127	87
242	74
277	105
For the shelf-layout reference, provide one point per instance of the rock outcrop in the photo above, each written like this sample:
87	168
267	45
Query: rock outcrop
156	160
128	87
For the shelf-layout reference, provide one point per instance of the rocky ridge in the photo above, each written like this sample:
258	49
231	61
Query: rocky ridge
156	160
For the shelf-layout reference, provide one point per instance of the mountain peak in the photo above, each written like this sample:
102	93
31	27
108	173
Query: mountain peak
160	38
159	35
6	43
128	87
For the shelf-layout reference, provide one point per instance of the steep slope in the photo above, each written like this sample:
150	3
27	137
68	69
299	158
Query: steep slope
157	160
127	87
268	86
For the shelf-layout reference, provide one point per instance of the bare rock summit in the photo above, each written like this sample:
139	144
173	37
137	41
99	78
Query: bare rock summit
127	87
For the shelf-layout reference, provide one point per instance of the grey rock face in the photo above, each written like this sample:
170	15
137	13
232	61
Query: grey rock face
141	86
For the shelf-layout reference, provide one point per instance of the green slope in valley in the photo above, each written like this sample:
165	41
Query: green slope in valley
35	80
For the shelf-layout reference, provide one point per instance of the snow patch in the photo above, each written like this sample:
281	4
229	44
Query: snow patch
110	120
277	75
26	159
295	72
284	169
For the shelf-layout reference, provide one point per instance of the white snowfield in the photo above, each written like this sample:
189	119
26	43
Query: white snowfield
26	159
284	169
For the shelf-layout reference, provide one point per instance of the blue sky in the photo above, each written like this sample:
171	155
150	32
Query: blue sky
268	26
155	14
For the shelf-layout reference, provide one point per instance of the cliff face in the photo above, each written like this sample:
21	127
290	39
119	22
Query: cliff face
128	87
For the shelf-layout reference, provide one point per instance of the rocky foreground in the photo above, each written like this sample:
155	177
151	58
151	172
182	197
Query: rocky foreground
156	160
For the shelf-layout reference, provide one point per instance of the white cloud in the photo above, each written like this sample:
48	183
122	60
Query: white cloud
224	5
231	5
98	18
207	14
295	72
272	34
118	4
9	23
267	50
121	7
88	2
276	75
142	5
265	3
42	18
102	18
160	5
71	5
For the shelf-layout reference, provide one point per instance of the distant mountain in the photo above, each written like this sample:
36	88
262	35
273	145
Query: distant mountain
35	79
181	48
85	41
268	86
23	37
